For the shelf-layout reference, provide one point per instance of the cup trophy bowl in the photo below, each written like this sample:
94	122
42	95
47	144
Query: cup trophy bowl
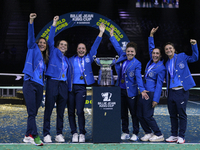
105	77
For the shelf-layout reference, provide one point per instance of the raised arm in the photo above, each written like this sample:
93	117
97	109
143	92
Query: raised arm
52	33
31	34
195	52
115	43
32	17
151	41
55	19
102	29
153	30
95	46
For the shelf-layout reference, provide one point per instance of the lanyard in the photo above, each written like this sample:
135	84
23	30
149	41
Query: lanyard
41	64
81	64
124	66
171	68
149	69
63	66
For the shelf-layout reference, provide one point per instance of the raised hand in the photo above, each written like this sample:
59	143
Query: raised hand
111	31
102	29
153	30
193	41
55	19
32	16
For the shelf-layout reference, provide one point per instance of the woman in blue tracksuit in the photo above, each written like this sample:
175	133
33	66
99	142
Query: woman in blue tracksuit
35	65
153	81
82	76
179	81
128	69
58	84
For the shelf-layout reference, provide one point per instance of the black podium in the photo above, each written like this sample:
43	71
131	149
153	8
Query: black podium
106	114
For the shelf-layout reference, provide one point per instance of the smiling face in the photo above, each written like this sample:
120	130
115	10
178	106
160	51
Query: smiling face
156	55
169	50
62	46
42	44
81	50
130	53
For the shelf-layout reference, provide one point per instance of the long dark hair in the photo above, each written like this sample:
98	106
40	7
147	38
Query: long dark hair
45	53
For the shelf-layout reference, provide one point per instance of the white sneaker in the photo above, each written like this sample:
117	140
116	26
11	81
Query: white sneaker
47	139
125	136
146	137
75	138
134	138
180	140
81	138
29	139
172	139
156	138
59	138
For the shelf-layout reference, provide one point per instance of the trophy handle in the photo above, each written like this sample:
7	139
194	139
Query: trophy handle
96	60
94	57
114	60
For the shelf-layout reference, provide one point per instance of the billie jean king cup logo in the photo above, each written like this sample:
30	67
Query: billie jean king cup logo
105	77
106	96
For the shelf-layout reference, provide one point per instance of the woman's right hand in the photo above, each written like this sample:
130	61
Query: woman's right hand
111	31
145	95
153	30
32	16
55	19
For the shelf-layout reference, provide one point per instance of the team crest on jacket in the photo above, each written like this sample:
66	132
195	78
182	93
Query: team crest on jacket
87	60
181	65
151	74
131	74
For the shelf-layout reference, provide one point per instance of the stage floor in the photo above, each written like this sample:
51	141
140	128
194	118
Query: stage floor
13	124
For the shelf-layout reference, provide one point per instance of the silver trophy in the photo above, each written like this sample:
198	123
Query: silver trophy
105	77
